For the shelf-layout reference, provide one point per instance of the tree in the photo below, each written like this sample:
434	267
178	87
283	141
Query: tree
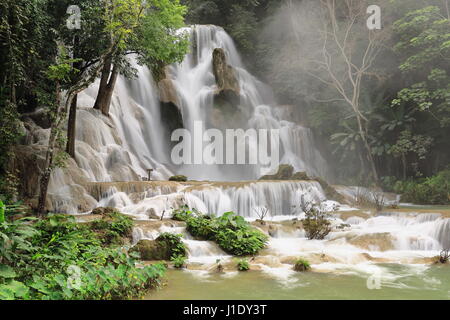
423	48
348	50
147	29
24	28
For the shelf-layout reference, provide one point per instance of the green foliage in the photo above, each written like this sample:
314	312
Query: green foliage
243	265
178	261
2	212
175	243
433	190
316	223
243	27
113	227
57	258
231	232
178	178
302	265
183	213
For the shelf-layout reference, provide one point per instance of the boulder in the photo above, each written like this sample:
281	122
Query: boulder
152	250
285	172
300	176
167	92
104	210
228	89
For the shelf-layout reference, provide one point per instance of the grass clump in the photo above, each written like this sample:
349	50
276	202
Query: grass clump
243	265
302	265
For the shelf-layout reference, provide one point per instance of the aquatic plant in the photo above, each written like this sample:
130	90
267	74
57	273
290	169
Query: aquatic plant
231	232
301	265
243	265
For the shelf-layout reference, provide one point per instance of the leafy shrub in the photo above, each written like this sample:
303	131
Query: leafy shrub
178	178
203	227
231	232
57	258
433	190
175	247
175	244
301	265
183	213
242	241
178	261
243	265
113	227
316	224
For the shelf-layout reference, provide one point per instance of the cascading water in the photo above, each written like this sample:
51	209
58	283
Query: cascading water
195	84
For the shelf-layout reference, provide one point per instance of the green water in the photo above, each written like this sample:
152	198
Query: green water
432	283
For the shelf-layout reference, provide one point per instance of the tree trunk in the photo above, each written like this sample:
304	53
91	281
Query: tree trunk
103	84
45	178
373	168
43	184
105	91
71	129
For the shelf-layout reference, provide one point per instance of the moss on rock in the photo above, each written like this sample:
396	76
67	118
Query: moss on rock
179	178
152	250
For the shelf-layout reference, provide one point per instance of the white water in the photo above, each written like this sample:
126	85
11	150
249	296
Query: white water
195	85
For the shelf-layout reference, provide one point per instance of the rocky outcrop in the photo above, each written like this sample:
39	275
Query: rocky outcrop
228	89
103	211
152	250
171	114
28	163
285	172
167	92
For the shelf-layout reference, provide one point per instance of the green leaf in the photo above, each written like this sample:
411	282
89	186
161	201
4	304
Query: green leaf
7	271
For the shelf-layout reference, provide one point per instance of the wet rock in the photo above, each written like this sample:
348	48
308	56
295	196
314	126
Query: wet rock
167	92
225	74
104	210
300	176
374	241
152	250
285	172
151	213
227	95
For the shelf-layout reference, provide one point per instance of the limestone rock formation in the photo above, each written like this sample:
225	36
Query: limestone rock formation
171	114
228	89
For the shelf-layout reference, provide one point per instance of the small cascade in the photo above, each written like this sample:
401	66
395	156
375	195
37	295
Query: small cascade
204	251
280	198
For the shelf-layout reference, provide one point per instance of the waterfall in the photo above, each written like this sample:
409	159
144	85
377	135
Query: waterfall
195	84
